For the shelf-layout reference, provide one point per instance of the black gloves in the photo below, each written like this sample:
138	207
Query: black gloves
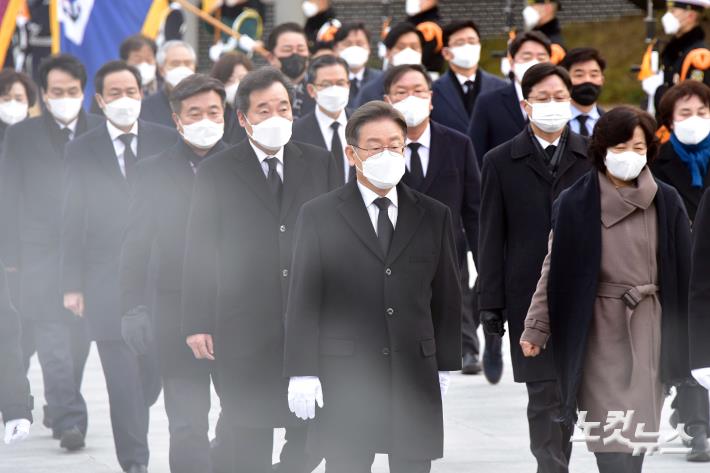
136	330
493	322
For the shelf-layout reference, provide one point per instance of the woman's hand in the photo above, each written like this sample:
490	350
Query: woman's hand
529	350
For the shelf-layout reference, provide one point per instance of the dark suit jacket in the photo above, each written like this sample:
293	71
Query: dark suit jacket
453	178
699	300
236	272
670	169
95	217
156	109
516	201
375	329
496	118
373	90
31	172
233	131
368	76
307	130
157	223
447	100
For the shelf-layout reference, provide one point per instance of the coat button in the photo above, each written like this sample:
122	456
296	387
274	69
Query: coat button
390	311
388	272
284	273
282	228
386	351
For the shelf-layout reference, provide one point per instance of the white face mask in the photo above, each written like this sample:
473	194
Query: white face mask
231	92
466	56
625	166
147	72
670	23
407	56
123	112
203	134
412	7
13	112
692	130
272	133
310	9
334	98
176	75
65	109
520	68
384	170
551	116
355	56
414	109
531	17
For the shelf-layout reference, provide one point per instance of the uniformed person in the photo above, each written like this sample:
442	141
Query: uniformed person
541	15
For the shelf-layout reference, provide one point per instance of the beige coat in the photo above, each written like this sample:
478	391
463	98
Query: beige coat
622	361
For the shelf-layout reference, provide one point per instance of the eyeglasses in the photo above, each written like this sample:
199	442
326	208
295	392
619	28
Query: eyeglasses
559	98
326	84
399	149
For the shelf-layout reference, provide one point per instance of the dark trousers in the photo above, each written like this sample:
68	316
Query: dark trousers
619	463
62	349
127	403
363	464
253	450
549	440
693	405
470	345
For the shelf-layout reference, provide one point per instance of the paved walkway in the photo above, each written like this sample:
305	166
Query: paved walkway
486	432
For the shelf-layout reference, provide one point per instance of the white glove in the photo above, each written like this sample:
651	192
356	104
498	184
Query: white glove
246	43
702	376
444	382
650	84
16	430
303	394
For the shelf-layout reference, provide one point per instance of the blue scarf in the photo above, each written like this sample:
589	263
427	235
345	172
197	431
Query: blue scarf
695	157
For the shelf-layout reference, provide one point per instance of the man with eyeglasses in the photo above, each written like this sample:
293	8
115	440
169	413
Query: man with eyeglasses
520	180
373	324
324	127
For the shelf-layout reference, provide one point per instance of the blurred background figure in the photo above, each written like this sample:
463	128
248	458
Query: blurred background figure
139	51
230	69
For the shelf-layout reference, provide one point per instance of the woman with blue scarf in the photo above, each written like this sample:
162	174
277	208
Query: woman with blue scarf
683	161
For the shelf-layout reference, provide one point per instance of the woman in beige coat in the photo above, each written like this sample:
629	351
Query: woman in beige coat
616	234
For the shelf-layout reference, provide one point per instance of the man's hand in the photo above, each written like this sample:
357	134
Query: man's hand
74	301
136	330
444	382
529	350
702	376
201	346
16	430
493	323
303	394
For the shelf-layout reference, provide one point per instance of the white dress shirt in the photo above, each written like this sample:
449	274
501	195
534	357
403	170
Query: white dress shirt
261	156
324	123
519	91
118	145
425	142
369	196
71	126
463	79
591	121
360	75
545	143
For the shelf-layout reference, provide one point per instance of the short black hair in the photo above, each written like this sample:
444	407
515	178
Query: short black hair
193	85
372	111
325	61
399	30
393	74
345	30
535	36
223	69
540	72
580	55
136	42
261	79
685	89
288	27
64	62
455	27
111	67
9	77
617	126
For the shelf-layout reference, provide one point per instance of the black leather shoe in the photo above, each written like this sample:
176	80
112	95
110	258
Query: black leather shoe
137	469
470	364
72	439
699	449
46	419
493	359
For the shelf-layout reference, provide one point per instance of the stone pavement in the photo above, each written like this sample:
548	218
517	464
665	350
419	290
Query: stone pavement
486	432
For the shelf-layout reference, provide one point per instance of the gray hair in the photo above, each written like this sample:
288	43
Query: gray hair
372	111
168	45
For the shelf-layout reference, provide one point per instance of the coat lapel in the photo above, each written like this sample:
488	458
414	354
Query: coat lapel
436	161
511	103
522	148
106	155
451	95
409	216
576	149
247	168
355	214
679	175
294	172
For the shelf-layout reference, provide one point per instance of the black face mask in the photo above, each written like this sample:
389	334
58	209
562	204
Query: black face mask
293	65
586	93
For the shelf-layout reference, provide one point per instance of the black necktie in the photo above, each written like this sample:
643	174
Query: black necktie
416	173
65	134
385	229
129	159
468	96
336	146
354	88
582	119
550	152
273	179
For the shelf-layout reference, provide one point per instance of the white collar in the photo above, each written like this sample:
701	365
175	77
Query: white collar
463	79
325	121
358	75
369	196
545	144
519	91
114	132
71	125
261	156
424	140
